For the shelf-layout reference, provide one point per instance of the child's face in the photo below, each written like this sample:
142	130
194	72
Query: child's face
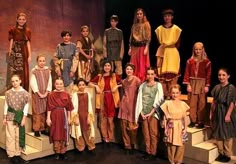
175	93
223	76
66	38
21	20
139	15
85	32
198	49
59	85
41	62
107	67
15	81
113	23
150	75
168	18
81	86
129	71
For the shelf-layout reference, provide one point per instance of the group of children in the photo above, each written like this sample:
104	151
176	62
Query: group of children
139	97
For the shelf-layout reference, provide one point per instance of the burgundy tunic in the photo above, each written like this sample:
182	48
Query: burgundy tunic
18	61
83	110
58	103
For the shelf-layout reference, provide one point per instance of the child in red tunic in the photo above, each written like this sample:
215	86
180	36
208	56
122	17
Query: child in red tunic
59	107
107	99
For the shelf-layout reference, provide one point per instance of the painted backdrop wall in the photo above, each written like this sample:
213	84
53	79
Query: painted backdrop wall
47	19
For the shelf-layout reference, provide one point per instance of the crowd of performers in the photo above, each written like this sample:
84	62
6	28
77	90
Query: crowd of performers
147	98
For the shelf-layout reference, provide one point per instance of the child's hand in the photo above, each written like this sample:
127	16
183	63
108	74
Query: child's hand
22	122
227	118
148	115
166	132
71	74
49	122
143	116
114	89
46	94
145	51
89	57
88	121
98	90
76	121
59	73
184	131
29	60
4	121
129	52
206	89
189	88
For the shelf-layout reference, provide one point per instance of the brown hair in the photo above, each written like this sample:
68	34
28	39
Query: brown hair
19	15
130	65
135	21
39	56
115	18
16	75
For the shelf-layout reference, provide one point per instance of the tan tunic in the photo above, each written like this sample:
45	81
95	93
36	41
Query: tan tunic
176	112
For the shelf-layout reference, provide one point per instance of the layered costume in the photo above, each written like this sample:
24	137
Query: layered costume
15	108
223	132
198	76
106	102
63	63
149	97
113	48
174	115
59	103
83	133
85	67
140	37
18	60
168	59
41	82
127	111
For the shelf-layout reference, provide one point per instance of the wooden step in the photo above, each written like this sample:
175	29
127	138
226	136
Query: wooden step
196	136
205	152
31	152
40	143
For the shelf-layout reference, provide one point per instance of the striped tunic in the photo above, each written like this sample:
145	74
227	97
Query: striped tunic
40	82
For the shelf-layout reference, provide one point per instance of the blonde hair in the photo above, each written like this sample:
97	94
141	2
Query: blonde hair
84	27
204	54
175	86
